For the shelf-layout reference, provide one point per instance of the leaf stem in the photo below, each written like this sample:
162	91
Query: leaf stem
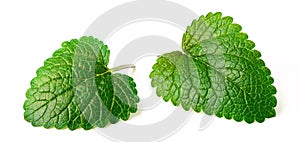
122	67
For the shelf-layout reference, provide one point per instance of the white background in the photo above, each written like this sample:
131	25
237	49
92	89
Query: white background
31	30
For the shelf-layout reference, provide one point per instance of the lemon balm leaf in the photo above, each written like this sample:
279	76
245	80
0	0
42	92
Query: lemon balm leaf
75	89
218	73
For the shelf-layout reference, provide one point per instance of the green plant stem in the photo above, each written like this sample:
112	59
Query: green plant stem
122	67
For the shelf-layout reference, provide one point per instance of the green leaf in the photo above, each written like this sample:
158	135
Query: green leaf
76	89
220	73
